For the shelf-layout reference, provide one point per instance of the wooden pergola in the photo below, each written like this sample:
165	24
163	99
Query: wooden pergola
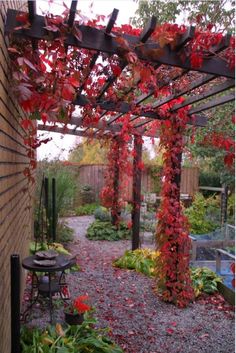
214	70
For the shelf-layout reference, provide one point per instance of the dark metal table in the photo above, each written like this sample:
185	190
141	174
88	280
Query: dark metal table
49	287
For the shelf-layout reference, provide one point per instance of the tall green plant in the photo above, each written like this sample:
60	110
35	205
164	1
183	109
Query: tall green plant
65	188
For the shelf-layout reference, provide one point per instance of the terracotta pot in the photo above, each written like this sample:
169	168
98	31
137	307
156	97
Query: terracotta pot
74	319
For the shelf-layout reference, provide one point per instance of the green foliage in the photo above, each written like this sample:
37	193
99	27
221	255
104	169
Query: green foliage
65	234
65	184
208	178
86	194
204	280
140	260
92	152
87	209
202	214
102	214
44	246
143	260
99	230
219	12
156	173
65	194
74	339
231	209
210	159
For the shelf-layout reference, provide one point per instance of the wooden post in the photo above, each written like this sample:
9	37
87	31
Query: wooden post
218	261
54	212
224	205
137	175
15	303
46	206
115	210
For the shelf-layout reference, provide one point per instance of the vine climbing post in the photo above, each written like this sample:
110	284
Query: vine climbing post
137	175
172	268
115	202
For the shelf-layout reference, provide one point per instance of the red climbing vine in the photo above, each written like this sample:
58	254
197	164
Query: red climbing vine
172	267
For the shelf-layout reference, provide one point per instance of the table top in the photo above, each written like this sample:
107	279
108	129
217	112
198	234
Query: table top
62	263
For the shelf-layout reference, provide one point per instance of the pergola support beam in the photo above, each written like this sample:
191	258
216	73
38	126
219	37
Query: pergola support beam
116	181
137	176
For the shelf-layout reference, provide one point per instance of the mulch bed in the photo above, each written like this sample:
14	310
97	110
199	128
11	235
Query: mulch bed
125	301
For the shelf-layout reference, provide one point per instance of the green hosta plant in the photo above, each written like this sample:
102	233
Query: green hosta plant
204	280
141	260
99	230
74	339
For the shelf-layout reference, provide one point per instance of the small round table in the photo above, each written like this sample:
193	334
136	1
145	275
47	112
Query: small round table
47	289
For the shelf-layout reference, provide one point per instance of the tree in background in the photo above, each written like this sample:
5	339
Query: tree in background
210	159
90	152
217	12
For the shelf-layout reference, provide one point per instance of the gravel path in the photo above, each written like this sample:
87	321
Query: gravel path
139	321
125	302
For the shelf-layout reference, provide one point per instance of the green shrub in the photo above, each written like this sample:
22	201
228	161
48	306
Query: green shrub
73	339
231	209
102	214
203	214
87	209
86	194
99	230
65	234
143	260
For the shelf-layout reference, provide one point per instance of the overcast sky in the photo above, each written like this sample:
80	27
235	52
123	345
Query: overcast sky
62	144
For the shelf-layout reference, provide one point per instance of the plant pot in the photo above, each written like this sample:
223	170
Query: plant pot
74	319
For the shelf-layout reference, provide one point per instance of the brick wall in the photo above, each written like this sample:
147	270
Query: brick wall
15	193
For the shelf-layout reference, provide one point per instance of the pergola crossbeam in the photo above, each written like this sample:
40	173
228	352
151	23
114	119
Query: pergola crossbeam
94	39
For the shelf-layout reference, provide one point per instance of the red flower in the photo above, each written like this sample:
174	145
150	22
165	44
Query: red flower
78	306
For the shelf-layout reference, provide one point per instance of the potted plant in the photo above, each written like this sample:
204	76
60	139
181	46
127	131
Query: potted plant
74	312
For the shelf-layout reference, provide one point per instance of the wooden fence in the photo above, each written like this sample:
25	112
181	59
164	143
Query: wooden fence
94	175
